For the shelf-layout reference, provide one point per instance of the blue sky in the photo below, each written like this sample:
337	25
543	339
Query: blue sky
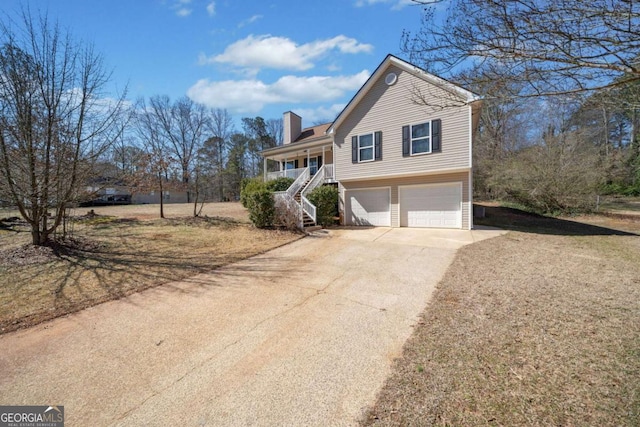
252	57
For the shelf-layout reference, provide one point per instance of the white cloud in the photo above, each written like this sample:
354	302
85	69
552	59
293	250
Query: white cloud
283	53
397	4
320	114
250	96
181	7
211	8
250	20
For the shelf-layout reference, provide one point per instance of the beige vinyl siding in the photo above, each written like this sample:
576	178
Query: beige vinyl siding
394	183
389	108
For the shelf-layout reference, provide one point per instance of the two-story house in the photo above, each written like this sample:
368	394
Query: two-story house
397	162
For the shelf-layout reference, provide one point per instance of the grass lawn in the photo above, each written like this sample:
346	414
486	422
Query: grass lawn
118	252
620	204
538	327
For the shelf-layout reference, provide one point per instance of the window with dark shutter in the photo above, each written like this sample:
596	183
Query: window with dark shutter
435	135
378	145
305	163
422	138
406	141
354	149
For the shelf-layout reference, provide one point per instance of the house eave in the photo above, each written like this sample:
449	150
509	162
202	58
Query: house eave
465	95
297	146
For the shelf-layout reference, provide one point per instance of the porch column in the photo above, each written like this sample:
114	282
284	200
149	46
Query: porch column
265	169
308	158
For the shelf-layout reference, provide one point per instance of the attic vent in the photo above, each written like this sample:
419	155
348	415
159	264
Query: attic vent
391	79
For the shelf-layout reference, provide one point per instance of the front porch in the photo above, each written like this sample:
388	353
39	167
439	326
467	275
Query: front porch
291	161
327	171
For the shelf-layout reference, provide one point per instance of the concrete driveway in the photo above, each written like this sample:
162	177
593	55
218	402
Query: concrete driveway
302	335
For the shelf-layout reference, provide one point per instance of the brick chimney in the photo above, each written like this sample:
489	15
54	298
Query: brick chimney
292	127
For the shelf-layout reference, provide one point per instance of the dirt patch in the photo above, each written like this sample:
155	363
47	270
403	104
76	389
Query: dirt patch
537	327
27	255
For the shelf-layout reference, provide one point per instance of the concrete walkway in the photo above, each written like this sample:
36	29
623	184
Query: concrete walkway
302	335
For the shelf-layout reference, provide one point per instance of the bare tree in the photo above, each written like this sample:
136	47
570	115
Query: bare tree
55	119
275	129
550	47
216	148
152	169
182	125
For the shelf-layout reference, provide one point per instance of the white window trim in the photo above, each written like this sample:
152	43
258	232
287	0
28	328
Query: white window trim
411	139
372	147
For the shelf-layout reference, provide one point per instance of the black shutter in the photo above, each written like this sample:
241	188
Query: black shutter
406	141
284	166
305	163
354	149
319	162
378	145
436	138
295	164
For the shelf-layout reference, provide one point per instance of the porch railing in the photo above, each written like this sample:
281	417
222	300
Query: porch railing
289	173
329	175
294	173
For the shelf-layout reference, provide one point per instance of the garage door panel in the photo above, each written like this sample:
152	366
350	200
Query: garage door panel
436	206
369	207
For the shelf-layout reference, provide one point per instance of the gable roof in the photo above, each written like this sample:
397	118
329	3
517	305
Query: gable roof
308	134
309	137
464	94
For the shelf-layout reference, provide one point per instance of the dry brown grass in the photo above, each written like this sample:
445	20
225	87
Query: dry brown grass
539	327
115	256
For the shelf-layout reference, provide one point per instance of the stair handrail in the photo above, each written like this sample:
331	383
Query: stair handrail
308	207
315	182
298	183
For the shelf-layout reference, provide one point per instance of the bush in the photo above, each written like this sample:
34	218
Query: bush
287	213
261	208
279	184
325	198
560	177
249	186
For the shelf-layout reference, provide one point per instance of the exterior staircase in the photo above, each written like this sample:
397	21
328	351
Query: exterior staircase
307	221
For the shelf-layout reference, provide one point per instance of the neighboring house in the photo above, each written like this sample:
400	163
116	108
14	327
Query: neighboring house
396	163
153	197
106	191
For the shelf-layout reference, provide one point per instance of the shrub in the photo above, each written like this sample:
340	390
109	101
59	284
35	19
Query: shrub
261	207
287	213
249	186
279	184
325	198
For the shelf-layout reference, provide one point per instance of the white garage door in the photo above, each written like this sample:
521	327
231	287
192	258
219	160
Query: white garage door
437	206
368	207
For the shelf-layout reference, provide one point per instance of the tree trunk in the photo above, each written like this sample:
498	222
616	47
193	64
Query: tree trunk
161	195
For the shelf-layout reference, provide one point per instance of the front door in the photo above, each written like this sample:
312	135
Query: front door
314	164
